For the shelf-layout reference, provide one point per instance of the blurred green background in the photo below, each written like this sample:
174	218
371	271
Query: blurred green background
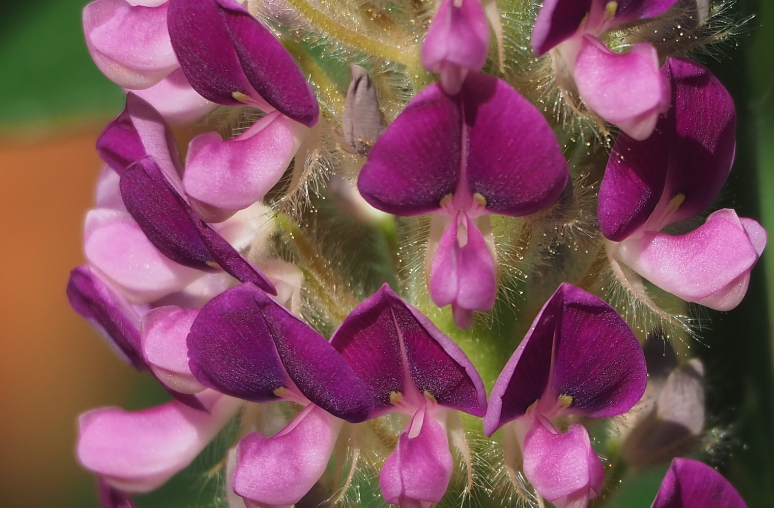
53	104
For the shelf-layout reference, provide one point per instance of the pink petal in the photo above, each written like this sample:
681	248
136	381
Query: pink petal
164	333
236	173
129	43
420	467
176	100
625	89
138	452
710	265
563	468
281	469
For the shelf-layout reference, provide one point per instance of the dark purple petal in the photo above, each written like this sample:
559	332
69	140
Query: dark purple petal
108	312
137	132
113	498
514	160
522	383
245	344
416	162
631	10
557	20
692	484
173	227
679	171
268	66
224	51
597	359
371	339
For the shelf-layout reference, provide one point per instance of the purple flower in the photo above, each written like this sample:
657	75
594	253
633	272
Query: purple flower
653	183
579	358
412	368
625	89
691	484
484	151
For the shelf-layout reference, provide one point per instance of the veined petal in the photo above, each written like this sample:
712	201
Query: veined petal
108	312
710	265
625	89
420	467
245	344
176	100
164	332
138	452
280	470
557	21
373	340
691	484
416	161
173	227
129	43
563	467
236	173
458	35
513	158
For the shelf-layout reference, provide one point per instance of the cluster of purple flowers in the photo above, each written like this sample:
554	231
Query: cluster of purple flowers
182	283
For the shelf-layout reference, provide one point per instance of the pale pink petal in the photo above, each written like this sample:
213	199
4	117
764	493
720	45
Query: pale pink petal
710	265
117	247
129	43
164	333
139	451
625	89
563	468
236	173
174	98
281	469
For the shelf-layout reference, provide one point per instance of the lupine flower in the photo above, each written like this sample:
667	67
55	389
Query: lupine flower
483	151
651	184
579	358
691	484
625	89
411	367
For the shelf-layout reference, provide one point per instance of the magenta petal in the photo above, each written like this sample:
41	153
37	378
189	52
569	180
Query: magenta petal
710	265
108	312
371	339
514	160
129	42
643	178
280	470
236	173
245	344
563	468
624	89
458	35
113	498
173	227
176	100
420	467
557	21
138	452
416	161
692	484
630	10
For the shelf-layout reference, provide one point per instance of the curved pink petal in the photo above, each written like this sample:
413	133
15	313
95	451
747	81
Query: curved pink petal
420	467
176	100
563	467
280	470
710	265
416	161
625	89
164	333
458	36
236	173
691	484
513	158
129	43
383	330
138	452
